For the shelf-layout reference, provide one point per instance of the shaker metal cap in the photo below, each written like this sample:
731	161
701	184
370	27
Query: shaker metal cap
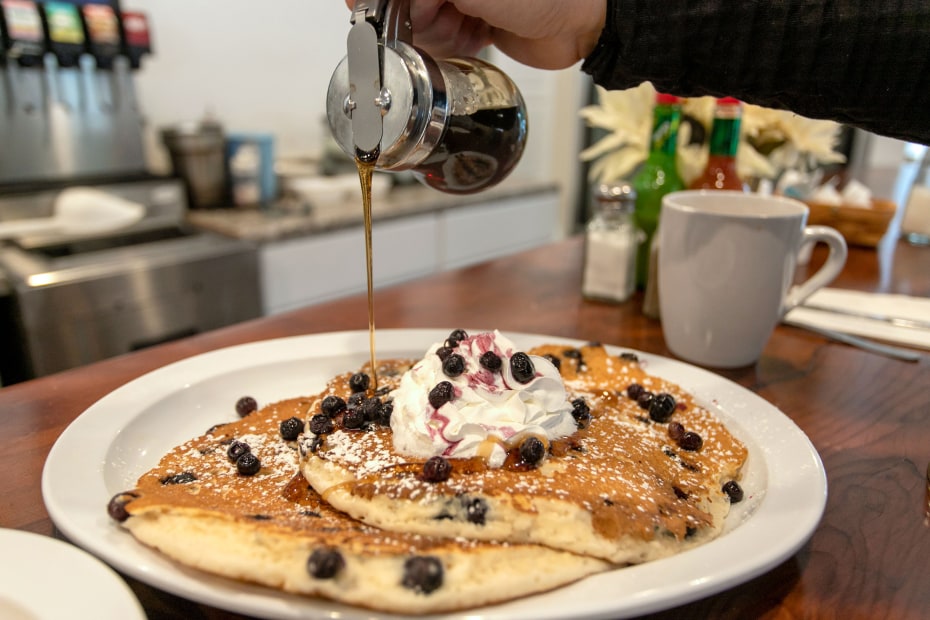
619	195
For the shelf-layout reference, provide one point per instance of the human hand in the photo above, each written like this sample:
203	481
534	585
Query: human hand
547	34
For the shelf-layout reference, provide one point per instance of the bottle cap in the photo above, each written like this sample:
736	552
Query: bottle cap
728	101
666	99
617	195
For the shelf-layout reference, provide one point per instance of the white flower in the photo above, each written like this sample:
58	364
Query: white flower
771	141
627	116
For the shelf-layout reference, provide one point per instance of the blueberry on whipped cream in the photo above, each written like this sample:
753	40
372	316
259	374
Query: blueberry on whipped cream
487	408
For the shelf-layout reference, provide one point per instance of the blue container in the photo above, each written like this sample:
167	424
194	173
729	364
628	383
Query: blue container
250	160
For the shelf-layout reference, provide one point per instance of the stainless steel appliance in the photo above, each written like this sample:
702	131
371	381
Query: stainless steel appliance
68	106
74	300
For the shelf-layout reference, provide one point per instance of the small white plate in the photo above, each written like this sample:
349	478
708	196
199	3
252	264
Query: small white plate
106	449
42	578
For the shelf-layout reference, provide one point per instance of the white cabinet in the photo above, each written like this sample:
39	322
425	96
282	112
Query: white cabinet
485	231
315	268
307	270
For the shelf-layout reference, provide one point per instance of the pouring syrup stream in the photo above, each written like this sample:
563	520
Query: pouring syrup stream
366	166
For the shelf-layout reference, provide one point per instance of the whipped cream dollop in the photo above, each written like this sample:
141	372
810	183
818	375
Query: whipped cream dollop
489	411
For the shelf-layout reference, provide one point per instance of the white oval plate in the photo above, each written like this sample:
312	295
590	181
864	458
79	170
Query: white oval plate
124	434
42	578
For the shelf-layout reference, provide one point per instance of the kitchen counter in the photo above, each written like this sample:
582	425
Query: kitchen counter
288	221
417	231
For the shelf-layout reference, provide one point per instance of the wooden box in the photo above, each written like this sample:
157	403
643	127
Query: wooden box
864	226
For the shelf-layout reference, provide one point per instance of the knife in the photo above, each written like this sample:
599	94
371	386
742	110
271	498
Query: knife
897	321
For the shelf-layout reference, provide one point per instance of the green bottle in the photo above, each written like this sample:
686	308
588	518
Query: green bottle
657	177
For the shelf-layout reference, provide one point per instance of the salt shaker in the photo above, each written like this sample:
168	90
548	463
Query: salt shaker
611	241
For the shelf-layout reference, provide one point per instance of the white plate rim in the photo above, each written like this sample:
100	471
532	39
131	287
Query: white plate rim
795	493
35	566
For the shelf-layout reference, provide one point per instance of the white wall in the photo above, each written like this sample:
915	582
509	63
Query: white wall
255	66
266	67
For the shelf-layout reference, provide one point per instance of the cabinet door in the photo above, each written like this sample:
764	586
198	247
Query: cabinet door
313	269
482	232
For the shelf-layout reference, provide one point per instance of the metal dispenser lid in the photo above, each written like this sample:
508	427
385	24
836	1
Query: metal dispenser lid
409	91
616	196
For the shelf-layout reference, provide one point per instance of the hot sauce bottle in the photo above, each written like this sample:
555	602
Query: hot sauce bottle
720	172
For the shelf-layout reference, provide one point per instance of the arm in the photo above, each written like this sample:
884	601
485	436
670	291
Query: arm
866	64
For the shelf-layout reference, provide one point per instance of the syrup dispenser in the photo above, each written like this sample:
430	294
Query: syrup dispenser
459	124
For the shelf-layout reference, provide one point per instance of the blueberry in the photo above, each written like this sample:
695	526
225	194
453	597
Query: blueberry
532	451
355	400
491	361
359	382
116	507
353	419
555	361
443	352
436	469
441	394
521	366
629	356
182	478
248	464
332	405
291	428
245	406
422	574
320	424
325	563
734	491
634	391
645	399
690	441
453	366
675	431
236	449
476	510
662	407
576	355
581	412
456	337
387	410
371	409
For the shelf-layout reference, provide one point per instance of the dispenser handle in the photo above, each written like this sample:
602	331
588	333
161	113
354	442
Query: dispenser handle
378	24
391	19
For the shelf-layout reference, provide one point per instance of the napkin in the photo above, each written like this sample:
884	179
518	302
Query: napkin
875	304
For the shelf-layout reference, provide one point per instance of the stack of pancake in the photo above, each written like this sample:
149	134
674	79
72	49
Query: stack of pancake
333	510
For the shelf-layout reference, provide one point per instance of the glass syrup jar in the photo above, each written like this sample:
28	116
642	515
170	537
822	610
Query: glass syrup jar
459	124
611	243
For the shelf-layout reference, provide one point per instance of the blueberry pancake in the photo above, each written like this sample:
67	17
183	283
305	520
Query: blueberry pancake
571	448
232	502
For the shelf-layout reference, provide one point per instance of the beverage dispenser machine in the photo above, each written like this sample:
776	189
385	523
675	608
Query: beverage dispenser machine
68	107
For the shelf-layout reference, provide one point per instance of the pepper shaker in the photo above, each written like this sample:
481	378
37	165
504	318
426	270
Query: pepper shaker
611	241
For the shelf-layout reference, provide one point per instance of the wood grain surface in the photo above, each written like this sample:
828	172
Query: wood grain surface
868	416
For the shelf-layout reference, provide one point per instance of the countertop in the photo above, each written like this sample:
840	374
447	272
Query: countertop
866	415
290	218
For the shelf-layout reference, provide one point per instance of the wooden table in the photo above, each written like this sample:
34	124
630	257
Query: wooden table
868	416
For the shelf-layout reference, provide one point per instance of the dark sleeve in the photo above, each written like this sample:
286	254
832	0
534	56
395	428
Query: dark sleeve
865	63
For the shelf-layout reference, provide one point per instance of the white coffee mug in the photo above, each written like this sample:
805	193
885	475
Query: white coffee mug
726	266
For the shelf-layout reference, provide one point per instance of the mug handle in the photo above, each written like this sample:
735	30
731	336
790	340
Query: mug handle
830	269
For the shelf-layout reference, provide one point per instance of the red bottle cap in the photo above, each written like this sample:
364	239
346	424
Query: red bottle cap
728	101
664	99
